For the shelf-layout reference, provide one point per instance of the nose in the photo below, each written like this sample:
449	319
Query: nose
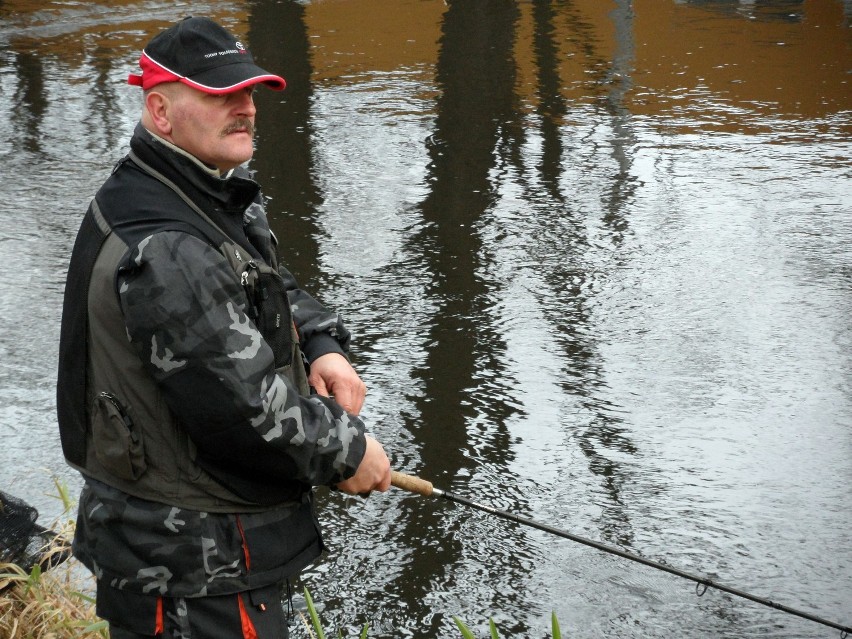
245	103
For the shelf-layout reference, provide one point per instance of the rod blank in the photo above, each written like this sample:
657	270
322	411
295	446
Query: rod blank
422	487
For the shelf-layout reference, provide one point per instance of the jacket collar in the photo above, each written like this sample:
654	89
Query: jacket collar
229	194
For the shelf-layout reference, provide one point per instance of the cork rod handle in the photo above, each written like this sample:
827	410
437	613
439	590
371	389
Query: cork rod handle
411	483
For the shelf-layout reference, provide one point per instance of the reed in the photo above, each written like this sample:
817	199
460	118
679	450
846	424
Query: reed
46	606
50	604
468	634
315	630
59	603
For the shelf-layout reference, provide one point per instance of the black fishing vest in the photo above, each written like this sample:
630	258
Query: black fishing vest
150	456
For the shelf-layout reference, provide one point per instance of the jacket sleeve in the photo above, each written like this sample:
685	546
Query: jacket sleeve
321	331
184	313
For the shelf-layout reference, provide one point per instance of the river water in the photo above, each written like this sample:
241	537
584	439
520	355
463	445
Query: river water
597	259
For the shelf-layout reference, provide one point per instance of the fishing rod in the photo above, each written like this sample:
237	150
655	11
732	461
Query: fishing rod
425	488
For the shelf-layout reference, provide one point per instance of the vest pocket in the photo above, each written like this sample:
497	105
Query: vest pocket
118	445
269	308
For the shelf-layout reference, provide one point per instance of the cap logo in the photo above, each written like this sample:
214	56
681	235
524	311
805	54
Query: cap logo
218	53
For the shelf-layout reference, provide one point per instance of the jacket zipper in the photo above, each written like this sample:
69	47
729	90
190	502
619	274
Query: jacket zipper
134	436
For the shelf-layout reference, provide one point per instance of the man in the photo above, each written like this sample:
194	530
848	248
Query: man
187	358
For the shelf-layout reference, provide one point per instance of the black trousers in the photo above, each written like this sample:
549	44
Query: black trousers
253	614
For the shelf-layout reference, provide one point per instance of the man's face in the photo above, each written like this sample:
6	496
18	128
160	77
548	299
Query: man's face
217	129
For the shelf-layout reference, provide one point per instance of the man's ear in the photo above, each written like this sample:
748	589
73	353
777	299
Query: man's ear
158	106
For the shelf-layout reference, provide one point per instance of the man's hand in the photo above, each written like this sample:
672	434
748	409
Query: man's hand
332	374
373	473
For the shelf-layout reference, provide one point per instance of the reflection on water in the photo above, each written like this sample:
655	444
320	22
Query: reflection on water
292	184
596	257
460	415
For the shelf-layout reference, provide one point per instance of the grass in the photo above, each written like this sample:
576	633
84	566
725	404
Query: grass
46	606
54	604
315	630
50	604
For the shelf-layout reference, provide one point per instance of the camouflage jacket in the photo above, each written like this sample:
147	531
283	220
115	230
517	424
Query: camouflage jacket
196	443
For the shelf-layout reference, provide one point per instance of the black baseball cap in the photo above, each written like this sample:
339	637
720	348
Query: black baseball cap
203	55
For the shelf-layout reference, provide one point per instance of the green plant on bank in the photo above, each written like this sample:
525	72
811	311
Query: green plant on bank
465	631
45	606
49	605
53	605
467	634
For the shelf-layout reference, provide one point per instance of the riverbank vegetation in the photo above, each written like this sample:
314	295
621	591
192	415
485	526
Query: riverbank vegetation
58	603
315	630
46	605
51	605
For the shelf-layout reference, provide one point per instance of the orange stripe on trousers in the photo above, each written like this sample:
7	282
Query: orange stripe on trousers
249	631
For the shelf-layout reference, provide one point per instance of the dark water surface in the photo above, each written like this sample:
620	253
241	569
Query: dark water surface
597	257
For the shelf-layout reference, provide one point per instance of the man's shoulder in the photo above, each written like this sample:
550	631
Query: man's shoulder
136	214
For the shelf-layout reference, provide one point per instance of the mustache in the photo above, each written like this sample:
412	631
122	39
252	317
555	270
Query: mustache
237	125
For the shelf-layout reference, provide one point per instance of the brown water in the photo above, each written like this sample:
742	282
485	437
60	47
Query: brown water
596	256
